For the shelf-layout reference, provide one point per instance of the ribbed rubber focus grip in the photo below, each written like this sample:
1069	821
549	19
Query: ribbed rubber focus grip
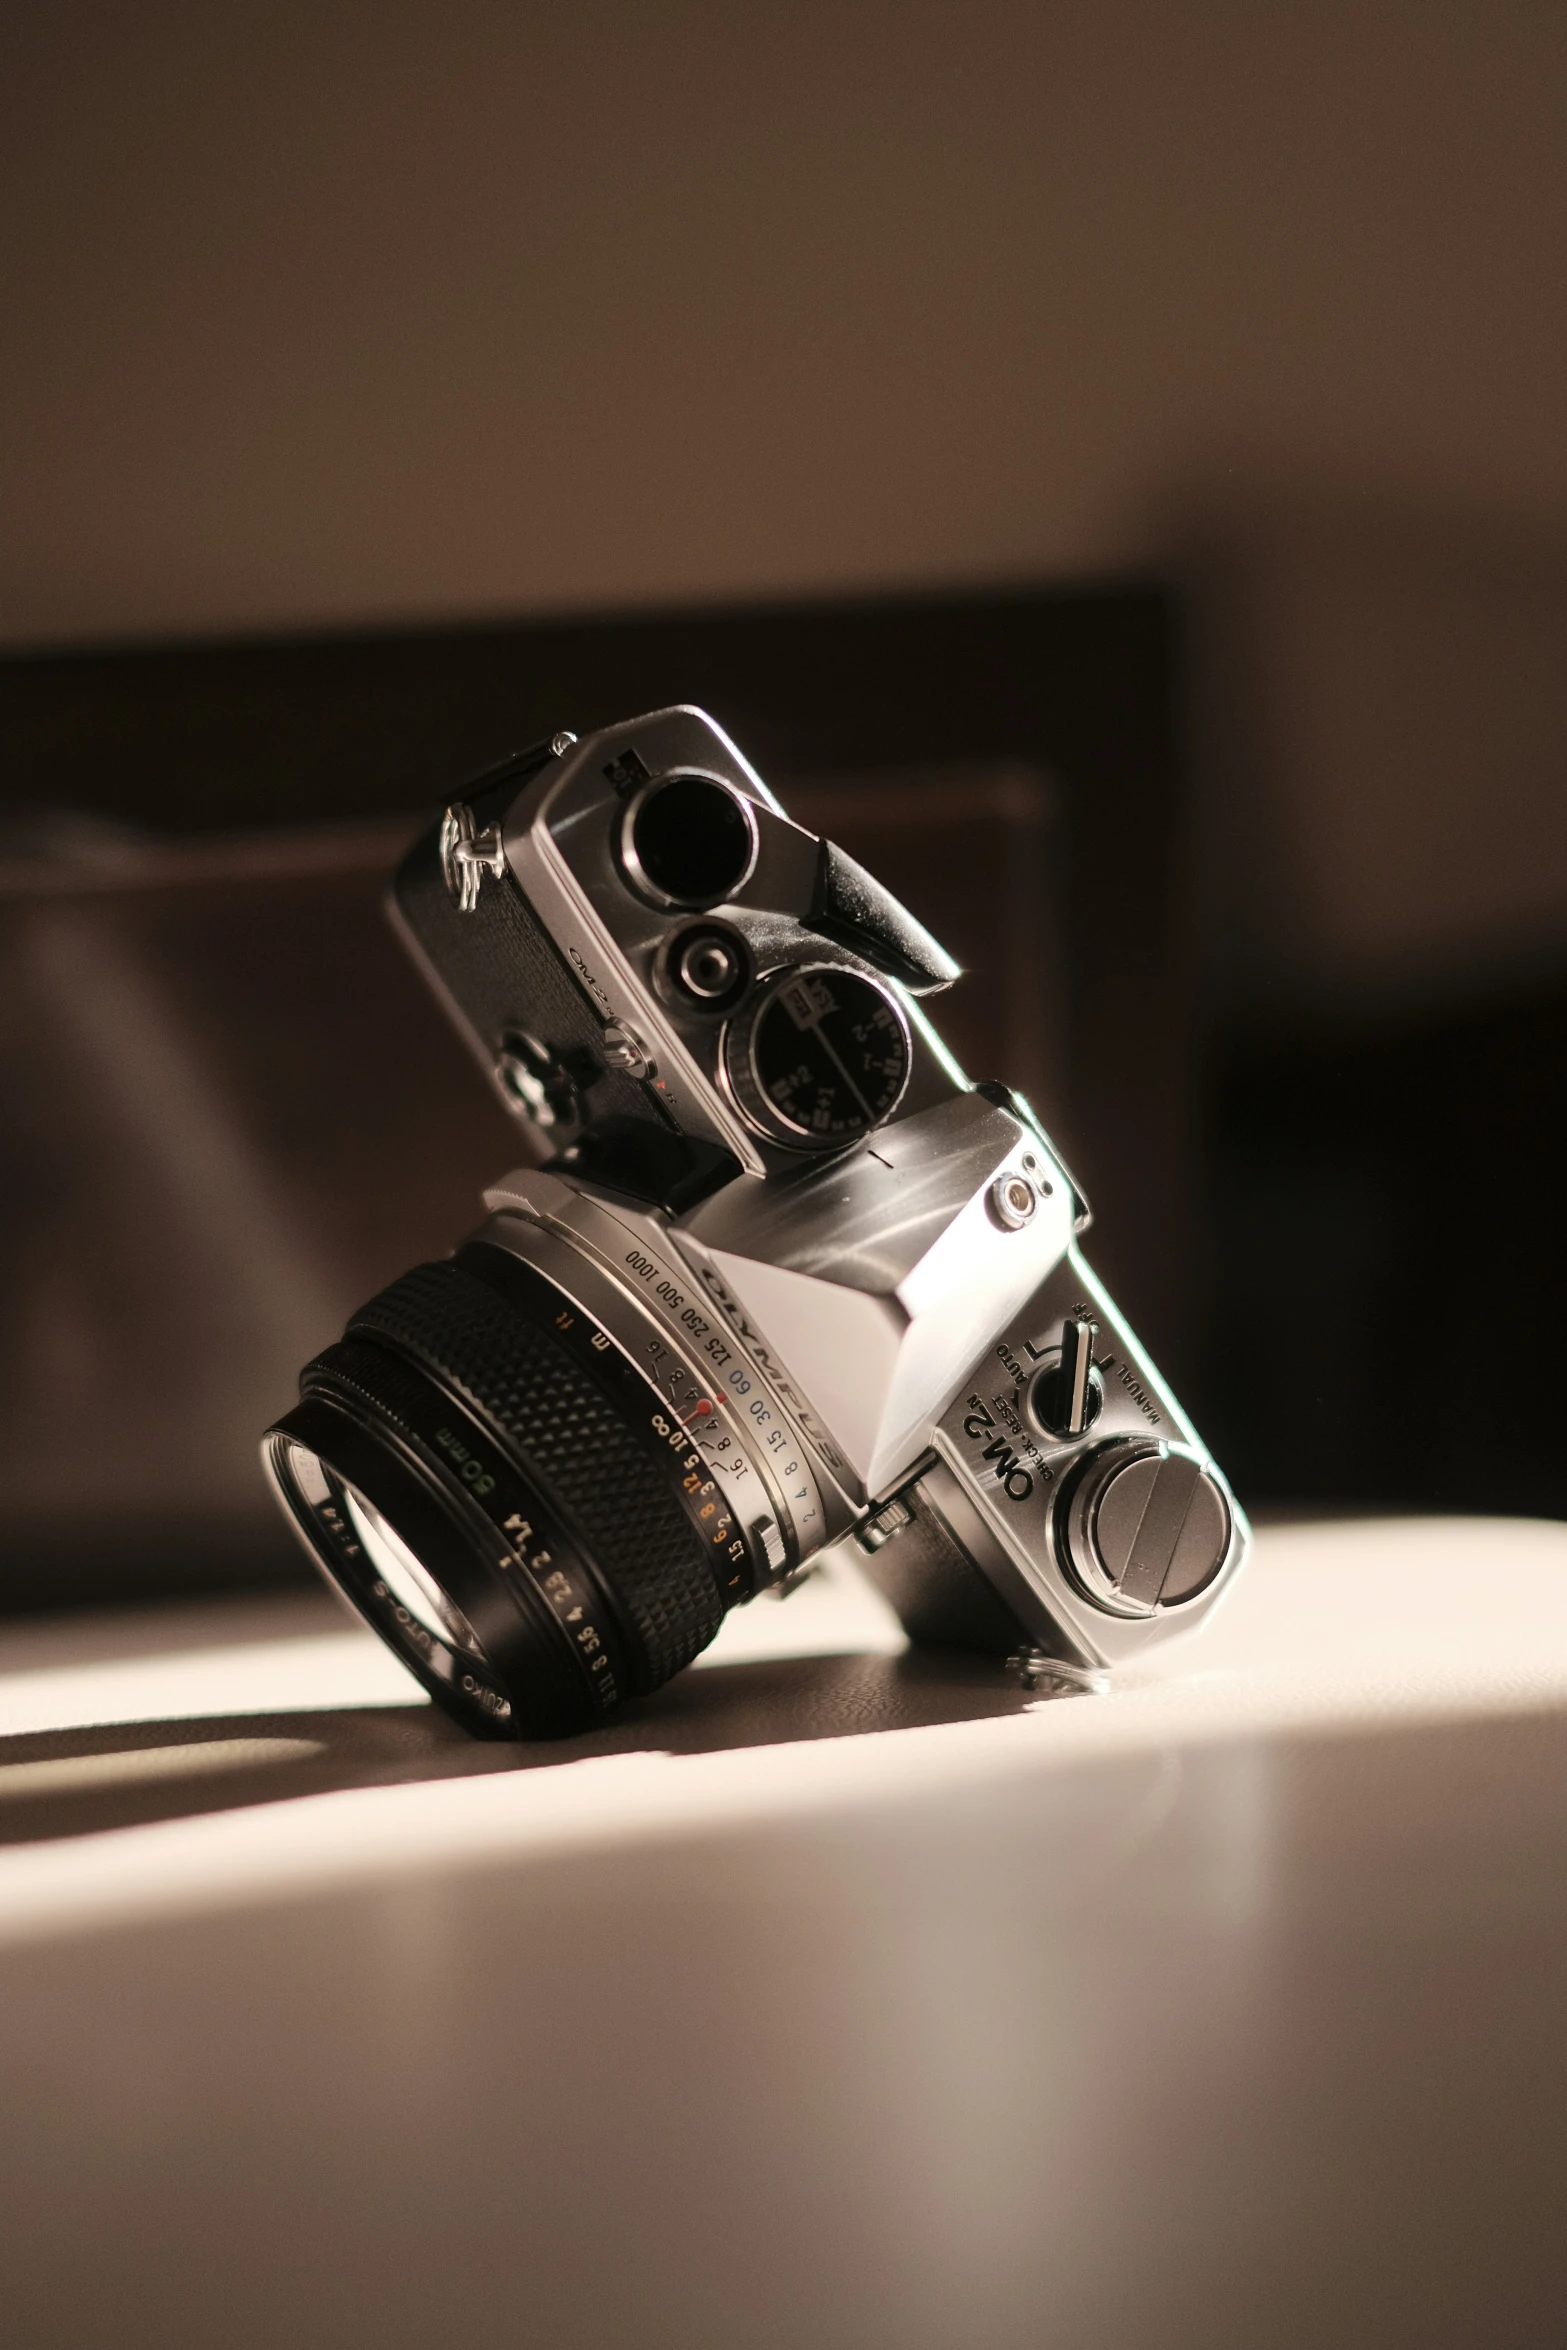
568	1438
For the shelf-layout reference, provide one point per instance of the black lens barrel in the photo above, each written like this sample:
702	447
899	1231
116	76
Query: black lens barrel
326	1464
529	1483
649	1418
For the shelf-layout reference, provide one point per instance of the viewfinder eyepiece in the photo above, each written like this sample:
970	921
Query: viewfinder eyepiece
688	841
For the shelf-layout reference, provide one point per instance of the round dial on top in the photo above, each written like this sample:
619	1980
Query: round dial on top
1144	1526
821	1058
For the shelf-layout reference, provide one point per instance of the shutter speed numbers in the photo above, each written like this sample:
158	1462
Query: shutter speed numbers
693	1413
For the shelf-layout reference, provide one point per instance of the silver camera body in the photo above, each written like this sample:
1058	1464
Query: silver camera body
852	1277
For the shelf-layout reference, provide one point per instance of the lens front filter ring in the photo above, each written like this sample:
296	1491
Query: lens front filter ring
525	1491
523	1590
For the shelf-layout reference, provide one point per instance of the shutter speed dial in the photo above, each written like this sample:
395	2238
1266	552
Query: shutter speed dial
820	1057
1144	1527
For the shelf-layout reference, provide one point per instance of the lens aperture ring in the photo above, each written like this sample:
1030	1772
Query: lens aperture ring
535	1559
571	1441
668	1439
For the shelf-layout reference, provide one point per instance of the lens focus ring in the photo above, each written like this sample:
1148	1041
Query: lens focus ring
568	1437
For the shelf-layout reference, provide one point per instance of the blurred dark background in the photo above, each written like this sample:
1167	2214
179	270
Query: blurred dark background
1105	463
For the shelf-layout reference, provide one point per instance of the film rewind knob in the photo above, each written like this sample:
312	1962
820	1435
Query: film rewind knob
1146	1526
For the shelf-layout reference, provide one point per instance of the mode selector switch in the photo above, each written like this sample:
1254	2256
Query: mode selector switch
1144	1527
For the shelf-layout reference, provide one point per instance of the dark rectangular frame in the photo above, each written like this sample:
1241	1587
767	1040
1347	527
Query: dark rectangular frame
1083	683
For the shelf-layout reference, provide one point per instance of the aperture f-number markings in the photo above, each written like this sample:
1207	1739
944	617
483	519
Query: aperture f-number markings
571	1610
704	1501
695	1407
570	1603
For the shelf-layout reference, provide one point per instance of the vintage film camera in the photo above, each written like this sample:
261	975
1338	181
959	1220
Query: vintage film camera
789	1278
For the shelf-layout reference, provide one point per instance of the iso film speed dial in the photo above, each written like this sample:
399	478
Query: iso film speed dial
1144	1527
819	1057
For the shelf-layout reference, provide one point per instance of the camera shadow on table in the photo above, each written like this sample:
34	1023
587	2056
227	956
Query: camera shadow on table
83	1781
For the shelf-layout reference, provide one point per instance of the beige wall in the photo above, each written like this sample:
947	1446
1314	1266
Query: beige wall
325	313
1383	705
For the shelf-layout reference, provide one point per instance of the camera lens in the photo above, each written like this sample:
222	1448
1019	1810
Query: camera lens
506	1499
407	1582
688	841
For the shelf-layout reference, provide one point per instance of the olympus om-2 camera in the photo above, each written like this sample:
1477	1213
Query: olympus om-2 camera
788	1278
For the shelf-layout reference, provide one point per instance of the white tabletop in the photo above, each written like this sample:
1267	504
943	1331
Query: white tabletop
836	1996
